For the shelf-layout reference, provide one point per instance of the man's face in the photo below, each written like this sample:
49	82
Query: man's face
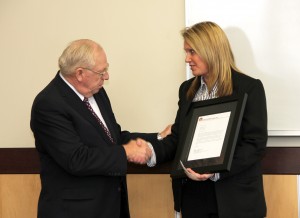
93	79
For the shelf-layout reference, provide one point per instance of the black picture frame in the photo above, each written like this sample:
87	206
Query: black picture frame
234	104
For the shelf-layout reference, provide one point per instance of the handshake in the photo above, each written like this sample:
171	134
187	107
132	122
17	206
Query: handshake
138	151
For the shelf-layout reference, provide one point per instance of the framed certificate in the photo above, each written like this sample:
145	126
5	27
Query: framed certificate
210	134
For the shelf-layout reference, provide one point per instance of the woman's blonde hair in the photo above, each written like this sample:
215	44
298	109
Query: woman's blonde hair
210	42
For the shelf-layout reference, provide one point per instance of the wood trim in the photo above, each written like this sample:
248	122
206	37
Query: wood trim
278	160
19	161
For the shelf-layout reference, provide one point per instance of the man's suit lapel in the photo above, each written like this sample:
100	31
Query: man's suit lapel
75	102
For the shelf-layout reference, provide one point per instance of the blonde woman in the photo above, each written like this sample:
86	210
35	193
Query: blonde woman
239	192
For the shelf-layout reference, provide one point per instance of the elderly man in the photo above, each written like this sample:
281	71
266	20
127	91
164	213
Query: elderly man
83	152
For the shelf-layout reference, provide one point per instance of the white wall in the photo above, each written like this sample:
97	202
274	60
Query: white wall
142	41
143	45
264	35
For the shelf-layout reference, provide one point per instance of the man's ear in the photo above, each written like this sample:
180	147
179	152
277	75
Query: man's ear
79	74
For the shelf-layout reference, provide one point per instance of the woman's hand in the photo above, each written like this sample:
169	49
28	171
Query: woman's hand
166	131
196	176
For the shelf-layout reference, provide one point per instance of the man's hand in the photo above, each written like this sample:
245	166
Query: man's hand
137	151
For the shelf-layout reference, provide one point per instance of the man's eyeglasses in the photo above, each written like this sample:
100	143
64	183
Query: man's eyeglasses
100	73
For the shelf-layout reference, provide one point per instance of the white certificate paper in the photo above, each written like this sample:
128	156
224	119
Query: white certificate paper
209	136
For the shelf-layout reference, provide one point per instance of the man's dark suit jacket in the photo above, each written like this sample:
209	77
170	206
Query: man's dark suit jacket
82	171
239	192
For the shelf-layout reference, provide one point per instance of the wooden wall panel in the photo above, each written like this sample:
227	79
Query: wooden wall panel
281	196
278	160
19	196
149	195
150	192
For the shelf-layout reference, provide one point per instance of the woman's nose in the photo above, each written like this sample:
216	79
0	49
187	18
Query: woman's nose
187	58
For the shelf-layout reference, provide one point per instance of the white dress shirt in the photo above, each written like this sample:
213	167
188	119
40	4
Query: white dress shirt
92	100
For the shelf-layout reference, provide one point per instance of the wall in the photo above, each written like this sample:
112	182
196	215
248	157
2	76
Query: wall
264	38
263	35
142	41
146	200
145	52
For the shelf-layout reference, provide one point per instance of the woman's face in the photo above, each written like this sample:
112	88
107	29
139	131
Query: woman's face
197	65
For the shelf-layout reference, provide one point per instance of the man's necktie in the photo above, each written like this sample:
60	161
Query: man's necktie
87	103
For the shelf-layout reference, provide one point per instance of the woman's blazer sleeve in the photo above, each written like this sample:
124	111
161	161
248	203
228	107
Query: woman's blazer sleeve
252	139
